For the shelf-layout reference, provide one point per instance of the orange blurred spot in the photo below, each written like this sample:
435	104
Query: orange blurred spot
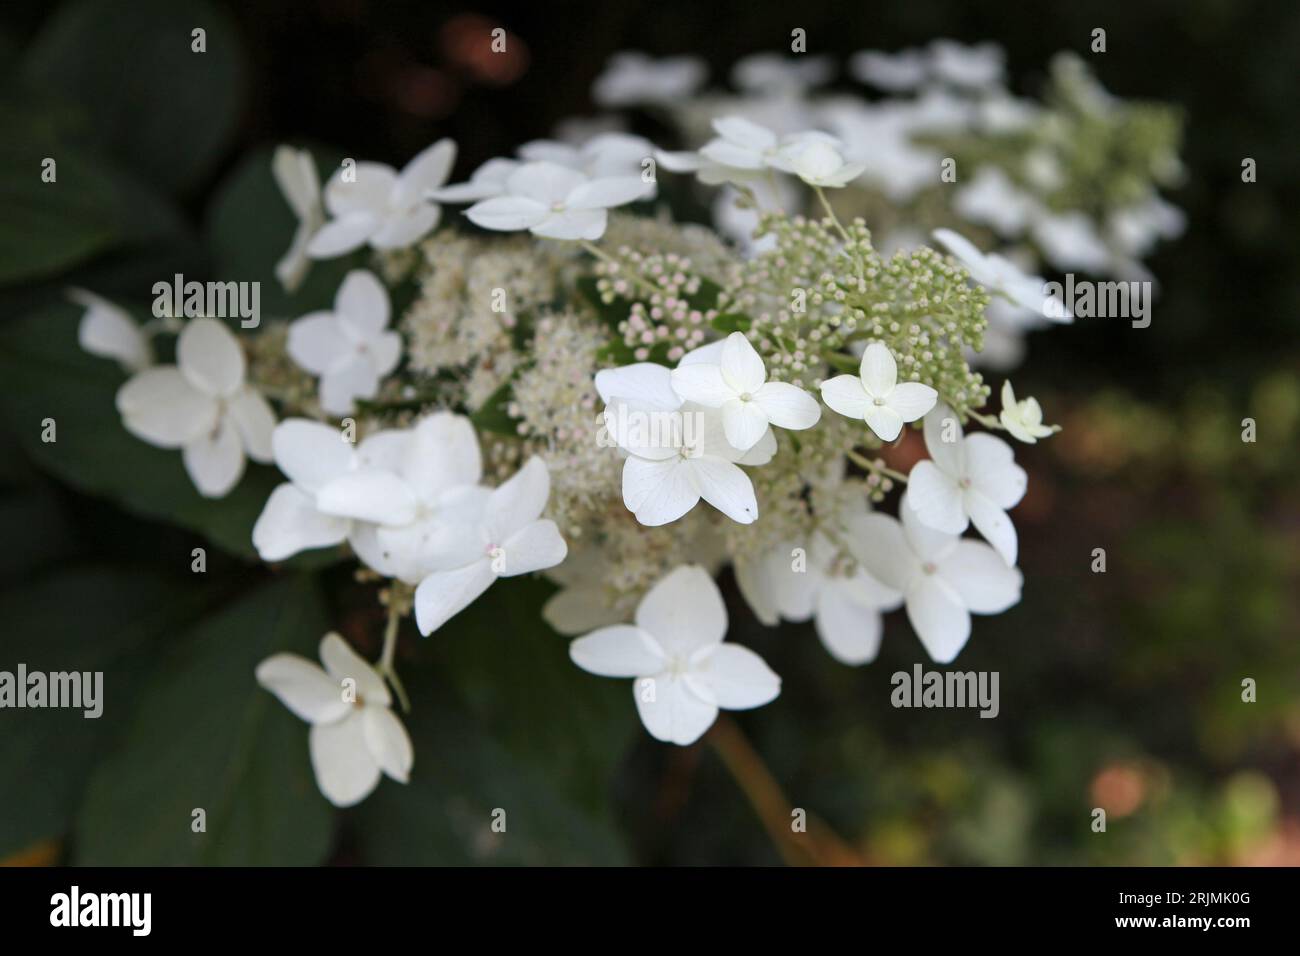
484	49
1119	789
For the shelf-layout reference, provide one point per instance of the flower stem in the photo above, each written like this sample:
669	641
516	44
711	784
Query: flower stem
826	204
604	256
866	463
385	665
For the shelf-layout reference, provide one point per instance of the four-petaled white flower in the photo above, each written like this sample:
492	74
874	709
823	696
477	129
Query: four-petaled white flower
372	203
1003	277
351	348
485	182
684	672
876	396
631	78
354	736
557	202
774	75
741	144
501	534
972	479
818	159
203	406
107	330
295	173
677	452
738	385
943	578
1023	419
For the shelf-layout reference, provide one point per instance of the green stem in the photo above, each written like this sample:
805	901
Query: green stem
868	465
385	665
622	270
830	213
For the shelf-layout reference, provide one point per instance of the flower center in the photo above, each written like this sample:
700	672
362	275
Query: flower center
877	401
929	567
746	397
557	206
965	482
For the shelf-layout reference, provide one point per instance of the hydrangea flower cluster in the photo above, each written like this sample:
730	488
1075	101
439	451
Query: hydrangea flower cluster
580	385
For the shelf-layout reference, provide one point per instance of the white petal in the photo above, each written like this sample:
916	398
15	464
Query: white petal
443	453
290	523
618	651
255	421
343	384
346	772
883	420
385	450
378	496
980	577
577	609
368	191
670	711
310	453
519	501
303	687
343	663
878	543
724	153
507	213
742	366
658	492
745	132
849	631
341	236
736	677
544	182
702	384
209	357
215	460
927	543
744	422
845	394
385	352
160	406
532	548
710	354
683	611
444	594
400	229
992	469
110	331
788	406
763	451
427	170
994	523
573	224
362	303
938	617
949	456
646	383
295	174
388	742
608	192
724	486
878	370
936	498
317	342
911	400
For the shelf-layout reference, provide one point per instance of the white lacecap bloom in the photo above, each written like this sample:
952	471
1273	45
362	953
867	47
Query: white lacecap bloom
295	173
677	453
351	348
1023	419
355	737
557	202
683	671
500	534
632	78
943	578
737	384
771	74
875	395
972	479
1003	277
373	203
203	406
107	330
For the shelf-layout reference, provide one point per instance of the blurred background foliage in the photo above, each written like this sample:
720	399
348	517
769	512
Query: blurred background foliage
1119	690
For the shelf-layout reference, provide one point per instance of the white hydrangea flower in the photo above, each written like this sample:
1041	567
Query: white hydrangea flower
684	671
876	396
737	383
107	330
894	72
991	199
943	578
741	145
972	479
355	737
557	202
604	155
381	207
350	349
1023	419
631	78
1003	277
771	74
295	173
817	159
203	406
979	66
1069	240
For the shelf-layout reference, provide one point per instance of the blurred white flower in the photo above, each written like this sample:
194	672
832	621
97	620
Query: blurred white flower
557	202
107	330
500	534
992	199
971	479
379	206
632	78
978	66
203	406
875	395
684	671
355	737
737	384
895	72
1135	229
351	348
607	154
771	74
485	182
295	173
879	137
1023	419
1070	241
943	578
1003	277
817	159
